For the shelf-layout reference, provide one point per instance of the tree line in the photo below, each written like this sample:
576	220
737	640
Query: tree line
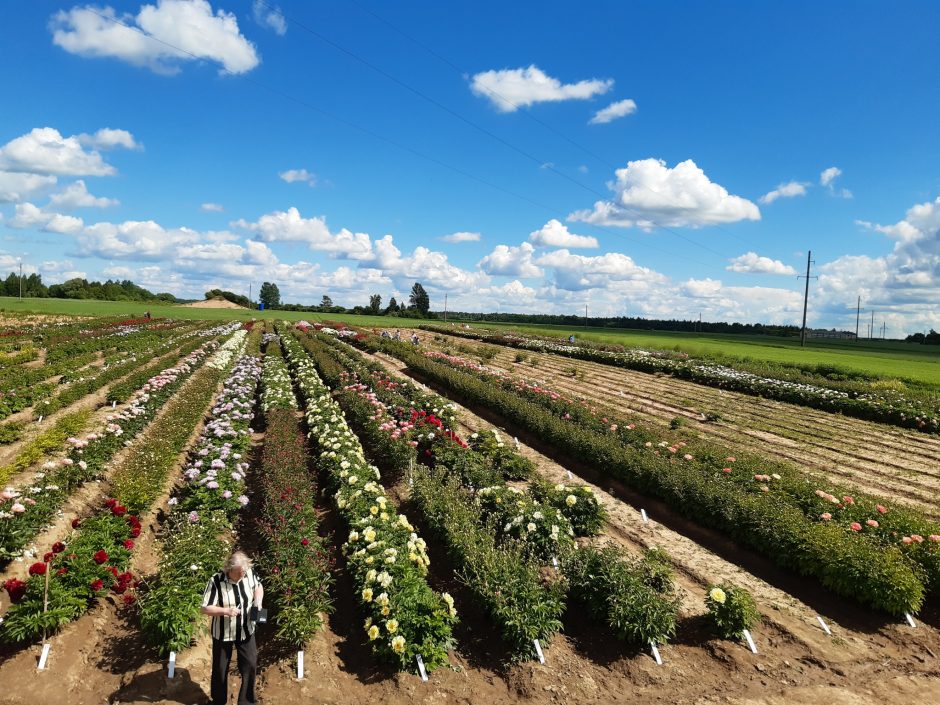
78	288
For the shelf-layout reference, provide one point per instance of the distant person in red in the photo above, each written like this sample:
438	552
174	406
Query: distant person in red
228	599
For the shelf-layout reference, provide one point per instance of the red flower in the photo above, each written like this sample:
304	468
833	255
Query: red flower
129	545
47	558
62	571
135	531
76	523
100	557
119	587
58	547
304	542
15	588
130	599
111	503
132	520
118	511
96	585
726	470
113	570
37	569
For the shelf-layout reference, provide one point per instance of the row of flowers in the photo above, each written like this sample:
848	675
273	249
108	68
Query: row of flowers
26	509
385	556
500	535
296	562
874	573
873	518
886	406
94	558
204	507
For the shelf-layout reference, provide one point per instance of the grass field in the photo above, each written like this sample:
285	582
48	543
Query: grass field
884	359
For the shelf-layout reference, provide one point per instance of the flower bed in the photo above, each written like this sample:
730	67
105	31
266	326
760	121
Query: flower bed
386	557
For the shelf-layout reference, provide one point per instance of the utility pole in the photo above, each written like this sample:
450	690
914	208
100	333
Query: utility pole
871	331
445	309
249	295
21	281
858	312
809	261
585	315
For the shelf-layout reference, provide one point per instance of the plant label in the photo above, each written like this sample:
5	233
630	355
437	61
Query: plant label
555	562
910	620
40	419
421	670
570	476
300	665
621	393
171	666
517	442
750	641
113	404
824	625
538	651
659	659
44	655
643	514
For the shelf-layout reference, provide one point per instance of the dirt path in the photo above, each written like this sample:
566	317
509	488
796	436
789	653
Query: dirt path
877	458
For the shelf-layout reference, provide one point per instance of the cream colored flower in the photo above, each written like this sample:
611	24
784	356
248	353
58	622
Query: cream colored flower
373	633
398	644
718	595
367	594
571	500
392	626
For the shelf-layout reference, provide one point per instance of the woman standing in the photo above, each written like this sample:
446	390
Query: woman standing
228	599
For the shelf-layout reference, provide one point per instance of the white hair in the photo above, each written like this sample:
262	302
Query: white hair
238	560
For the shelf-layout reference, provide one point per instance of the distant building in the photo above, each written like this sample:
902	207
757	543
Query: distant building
832	333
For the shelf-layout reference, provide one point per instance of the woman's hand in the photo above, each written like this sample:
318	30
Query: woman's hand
232	611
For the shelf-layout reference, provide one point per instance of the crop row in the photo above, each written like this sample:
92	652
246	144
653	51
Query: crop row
884	405
887	576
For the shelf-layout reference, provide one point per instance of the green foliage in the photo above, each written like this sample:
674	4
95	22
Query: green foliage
49	440
731	610
269	295
541	528
577	503
11	432
419	299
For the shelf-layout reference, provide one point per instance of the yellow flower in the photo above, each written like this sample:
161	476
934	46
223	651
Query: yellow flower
392	626
367	594
571	500
373	510
718	595
398	644
386	610
373	632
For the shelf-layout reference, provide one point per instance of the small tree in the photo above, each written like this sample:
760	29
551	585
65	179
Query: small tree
419	299
375	304
326	302
269	295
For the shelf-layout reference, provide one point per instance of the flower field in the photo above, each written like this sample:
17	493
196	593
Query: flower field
400	529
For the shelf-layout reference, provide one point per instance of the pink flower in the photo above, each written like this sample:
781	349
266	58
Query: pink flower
872	523
906	539
729	459
825	516
934	537
848	500
917	538
17	508
687	457
881	509
855	526
726	470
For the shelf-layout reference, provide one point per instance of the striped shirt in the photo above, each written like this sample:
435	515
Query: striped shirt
222	592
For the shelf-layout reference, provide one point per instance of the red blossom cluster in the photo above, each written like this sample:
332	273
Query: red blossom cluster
16	589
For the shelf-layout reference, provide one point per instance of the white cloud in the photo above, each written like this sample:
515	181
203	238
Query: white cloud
787	190
211	208
159	37
135	240
828	176
752	263
289	226
76	195
17	186
45	151
511	261
701	288
511	89
556	234
579	272
269	16
648	194
613	111
461	237
107	138
293	175
29	216
427	266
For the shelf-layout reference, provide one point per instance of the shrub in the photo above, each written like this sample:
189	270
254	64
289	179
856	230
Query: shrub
731	610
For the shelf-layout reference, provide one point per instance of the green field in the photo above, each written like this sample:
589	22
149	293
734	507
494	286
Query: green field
890	359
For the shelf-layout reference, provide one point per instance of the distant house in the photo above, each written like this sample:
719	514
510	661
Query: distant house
832	333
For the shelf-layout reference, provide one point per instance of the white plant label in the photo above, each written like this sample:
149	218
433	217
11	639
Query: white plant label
421	670
113	404
171	666
300	665
538	651
824	625
910	620
44	655
750	641
40	419
643	514
659	659
517	442
570	476
555	562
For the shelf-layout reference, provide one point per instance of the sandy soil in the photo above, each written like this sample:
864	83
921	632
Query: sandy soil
216	302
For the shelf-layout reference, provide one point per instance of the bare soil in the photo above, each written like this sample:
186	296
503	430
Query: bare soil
216	302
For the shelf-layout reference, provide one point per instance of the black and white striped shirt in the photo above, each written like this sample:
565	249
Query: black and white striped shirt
221	592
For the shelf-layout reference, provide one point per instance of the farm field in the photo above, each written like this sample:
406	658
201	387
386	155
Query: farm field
140	472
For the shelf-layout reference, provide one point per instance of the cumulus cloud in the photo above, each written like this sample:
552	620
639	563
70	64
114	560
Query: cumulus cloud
290	226
461	237
427	266
293	175
752	263
17	186
211	208
29	216
76	195
511	89
579	272
648	194
787	190
613	111
556	234
159	37
107	138
827	179
269	16
511	261
44	150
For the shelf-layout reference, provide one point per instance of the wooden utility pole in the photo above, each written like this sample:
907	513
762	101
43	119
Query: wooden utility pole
871	331
809	260
445	309
21	280
858	312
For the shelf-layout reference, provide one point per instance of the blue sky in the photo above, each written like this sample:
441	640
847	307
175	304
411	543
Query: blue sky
662	159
